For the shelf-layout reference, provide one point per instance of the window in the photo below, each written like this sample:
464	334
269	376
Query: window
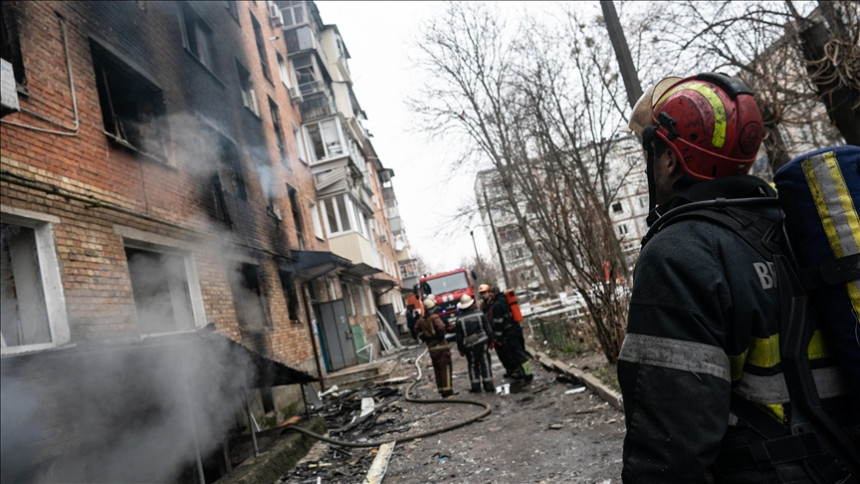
325	139
249	96
617	207
301	153
294	14
305	74
159	286
31	292
315	218
261	47
132	106
10	46
249	297
196	35
622	229
282	69
643	202
279	133
230	170
288	284
297	215
337	214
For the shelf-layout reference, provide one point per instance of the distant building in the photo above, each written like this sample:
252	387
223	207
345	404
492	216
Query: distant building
627	210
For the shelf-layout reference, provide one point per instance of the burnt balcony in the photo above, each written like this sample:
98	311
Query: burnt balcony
316	105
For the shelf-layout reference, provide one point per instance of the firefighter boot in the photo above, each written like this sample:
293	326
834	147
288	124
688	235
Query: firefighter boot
476	388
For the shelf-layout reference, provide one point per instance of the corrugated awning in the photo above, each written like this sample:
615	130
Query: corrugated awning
309	264
361	269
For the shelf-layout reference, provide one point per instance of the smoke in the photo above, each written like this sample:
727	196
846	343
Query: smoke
130	413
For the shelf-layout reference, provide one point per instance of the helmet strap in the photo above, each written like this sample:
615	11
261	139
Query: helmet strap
647	143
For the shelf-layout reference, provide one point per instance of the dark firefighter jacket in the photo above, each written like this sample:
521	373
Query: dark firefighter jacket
703	323
472	328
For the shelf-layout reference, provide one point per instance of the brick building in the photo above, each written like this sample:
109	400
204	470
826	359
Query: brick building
168	252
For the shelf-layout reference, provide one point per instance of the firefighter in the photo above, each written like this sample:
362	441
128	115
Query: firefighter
474	342
705	397
507	334
431	329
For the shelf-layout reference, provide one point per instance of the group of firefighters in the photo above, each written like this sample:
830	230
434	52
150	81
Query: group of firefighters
477	331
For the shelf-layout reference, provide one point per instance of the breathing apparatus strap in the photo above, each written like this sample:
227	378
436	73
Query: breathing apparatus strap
647	143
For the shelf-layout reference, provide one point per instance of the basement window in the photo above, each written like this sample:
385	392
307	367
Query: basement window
132	106
249	297
159	284
31	291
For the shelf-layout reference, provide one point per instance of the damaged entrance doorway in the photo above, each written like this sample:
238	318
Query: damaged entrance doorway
335	335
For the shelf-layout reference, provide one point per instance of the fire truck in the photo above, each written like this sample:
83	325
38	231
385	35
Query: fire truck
447	287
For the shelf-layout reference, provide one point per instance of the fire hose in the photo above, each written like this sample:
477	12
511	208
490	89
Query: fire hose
487	410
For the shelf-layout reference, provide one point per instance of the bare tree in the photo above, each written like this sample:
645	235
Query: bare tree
763	44
543	111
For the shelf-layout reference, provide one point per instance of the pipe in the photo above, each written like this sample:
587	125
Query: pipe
74	130
251	423
487	410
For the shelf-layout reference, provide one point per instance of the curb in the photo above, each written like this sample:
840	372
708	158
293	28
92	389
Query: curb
590	381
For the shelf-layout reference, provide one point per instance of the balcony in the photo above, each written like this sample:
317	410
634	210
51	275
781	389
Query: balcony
315	105
300	39
354	247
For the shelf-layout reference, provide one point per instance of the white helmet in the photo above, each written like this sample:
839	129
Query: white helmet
429	301
466	302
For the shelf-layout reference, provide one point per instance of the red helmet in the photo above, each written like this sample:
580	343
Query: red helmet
711	122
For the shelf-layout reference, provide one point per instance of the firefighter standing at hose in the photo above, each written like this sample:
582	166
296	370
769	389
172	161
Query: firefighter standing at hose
431	329
508	334
474	340
705	397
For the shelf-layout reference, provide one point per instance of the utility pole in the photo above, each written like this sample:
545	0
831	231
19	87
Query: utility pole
496	238
622	52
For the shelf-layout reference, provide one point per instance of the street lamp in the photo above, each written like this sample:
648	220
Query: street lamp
477	257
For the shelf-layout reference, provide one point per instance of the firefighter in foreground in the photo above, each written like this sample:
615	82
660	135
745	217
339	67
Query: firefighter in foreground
431	329
508	335
474	342
700	368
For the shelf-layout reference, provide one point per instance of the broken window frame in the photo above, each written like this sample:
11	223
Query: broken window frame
261	47
279	134
296	209
246	86
197	36
315	219
46	272
326	139
10	43
301	152
175	292
129	101
249	298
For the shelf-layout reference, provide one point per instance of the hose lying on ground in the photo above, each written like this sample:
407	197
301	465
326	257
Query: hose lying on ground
487	410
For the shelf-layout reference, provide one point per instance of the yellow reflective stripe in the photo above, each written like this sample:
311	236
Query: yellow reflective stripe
719	138
839	219
736	365
764	352
777	410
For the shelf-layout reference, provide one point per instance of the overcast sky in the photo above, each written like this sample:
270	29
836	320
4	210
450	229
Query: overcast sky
378	36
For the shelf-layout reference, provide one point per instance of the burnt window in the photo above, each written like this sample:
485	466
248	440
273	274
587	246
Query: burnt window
196	36
279	133
132	106
159	285
249	297
261	47
10	46
231	169
288	284
295	208
249	96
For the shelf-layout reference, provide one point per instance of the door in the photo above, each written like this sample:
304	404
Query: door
337	335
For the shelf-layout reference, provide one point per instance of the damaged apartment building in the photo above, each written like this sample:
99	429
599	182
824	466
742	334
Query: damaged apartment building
193	225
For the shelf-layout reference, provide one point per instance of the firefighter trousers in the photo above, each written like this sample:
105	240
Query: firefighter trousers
480	367
441	359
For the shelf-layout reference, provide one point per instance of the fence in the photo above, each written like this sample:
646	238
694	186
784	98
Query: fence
565	334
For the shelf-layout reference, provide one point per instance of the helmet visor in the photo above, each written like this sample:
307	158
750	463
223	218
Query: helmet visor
642	114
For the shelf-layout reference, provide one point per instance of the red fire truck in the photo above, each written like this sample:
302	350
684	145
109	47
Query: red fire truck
447	287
